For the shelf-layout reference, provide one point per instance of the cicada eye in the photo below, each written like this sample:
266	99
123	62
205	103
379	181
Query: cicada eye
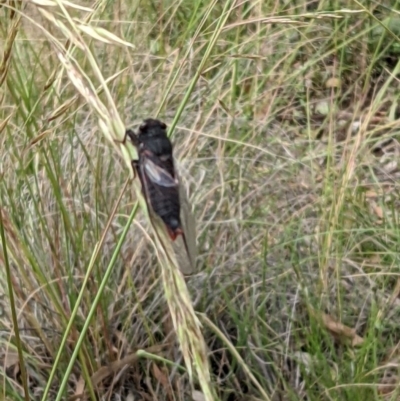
163	125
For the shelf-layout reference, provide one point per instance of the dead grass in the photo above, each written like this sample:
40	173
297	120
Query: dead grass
289	146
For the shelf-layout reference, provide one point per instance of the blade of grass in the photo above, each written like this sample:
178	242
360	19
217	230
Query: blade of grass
13	311
229	5
94	304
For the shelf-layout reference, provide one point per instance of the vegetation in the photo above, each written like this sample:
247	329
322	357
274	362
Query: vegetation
284	116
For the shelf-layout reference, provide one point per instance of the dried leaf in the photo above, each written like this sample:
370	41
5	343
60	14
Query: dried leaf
198	396
4	123
87	92
77	6
106	371
44	3
116	366
62	109
371	194
7	47
340	330
103	35
37	139
10	359
378	211
11	363
333	83
162	378
130	397
63	28
50	3
322	107
80	388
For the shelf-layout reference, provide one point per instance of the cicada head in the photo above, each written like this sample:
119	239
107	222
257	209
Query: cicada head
153	137
151	130
151	124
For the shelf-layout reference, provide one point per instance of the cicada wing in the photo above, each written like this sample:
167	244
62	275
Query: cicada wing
179	245
138	169
157	174
185	245
147	184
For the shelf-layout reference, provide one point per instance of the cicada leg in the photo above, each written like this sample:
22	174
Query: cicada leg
131	135
173	234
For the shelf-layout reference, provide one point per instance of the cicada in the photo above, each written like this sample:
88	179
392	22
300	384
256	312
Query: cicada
160	184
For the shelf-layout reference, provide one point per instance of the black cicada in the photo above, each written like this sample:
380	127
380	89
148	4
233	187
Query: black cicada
160	183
